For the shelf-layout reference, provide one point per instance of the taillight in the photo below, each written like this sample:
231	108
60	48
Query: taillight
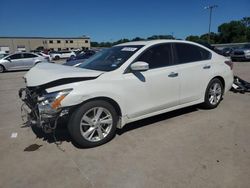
229	63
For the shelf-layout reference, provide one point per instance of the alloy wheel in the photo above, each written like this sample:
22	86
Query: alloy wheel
96	124
215	93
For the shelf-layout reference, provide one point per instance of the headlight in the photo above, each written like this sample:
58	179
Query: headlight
51	102
247	51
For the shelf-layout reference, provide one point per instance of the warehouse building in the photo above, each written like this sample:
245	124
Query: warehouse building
14	44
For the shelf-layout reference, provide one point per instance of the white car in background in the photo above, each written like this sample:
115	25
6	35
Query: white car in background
123	84
20	61
62	55
48	57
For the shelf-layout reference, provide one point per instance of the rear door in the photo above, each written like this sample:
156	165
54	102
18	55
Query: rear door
65	54
29	60
195	65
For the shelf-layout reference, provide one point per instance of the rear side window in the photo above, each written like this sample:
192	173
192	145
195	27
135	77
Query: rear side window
157	56
190	53
29	56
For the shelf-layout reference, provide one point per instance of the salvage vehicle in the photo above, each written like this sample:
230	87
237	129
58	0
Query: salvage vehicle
123	84
20	61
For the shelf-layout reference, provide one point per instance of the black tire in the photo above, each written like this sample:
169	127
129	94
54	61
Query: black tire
2	69
75	119
207	104
57	57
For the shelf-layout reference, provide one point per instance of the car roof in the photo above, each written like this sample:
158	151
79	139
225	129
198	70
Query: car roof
151	42
159	41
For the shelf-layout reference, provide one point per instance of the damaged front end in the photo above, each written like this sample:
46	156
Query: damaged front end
42	109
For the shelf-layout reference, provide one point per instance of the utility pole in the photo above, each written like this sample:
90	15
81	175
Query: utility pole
210	7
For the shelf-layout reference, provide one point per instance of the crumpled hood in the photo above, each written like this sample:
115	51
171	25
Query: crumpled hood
44	73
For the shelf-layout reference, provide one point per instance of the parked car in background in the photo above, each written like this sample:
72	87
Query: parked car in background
206	44
227	51
242	53
20	61
48	57
72	61
123	84
3	54
62	54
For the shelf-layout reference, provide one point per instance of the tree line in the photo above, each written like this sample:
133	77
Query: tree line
236	31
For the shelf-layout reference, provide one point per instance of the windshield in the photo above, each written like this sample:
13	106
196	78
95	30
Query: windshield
110	59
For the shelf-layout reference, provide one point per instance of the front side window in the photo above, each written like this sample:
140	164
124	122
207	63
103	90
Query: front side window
190	53
157	56
110	59
15	56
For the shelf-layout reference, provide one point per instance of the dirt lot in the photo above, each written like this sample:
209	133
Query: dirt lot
184	148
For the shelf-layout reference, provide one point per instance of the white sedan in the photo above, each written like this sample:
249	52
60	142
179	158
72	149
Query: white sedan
125	83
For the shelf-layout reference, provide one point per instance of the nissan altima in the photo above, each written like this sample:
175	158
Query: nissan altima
123	84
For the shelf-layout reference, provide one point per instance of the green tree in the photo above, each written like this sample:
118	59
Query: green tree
234	31
193	38
154	37
246	21
94	44
137	39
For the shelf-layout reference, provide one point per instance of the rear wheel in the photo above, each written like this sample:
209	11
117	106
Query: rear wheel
57	57
93	124
213	94
2	69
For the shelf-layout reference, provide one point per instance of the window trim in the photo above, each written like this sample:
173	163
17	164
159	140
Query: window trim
128	70
175	54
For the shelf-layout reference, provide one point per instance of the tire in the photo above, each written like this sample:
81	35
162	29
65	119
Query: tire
2	69
86	128
57	57
213	95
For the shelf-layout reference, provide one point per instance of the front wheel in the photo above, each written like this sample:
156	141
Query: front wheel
93	124
213	94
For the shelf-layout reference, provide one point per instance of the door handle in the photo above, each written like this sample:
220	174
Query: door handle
173	74
207	67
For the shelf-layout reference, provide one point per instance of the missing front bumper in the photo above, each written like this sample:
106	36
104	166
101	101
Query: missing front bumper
33	114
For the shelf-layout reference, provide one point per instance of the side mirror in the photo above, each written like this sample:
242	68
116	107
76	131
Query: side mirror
139	66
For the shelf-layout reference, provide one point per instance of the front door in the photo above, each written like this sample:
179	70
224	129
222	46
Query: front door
156	89
14	62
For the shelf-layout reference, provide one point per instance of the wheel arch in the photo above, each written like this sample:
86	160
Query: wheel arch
107	99
4	69
222	81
